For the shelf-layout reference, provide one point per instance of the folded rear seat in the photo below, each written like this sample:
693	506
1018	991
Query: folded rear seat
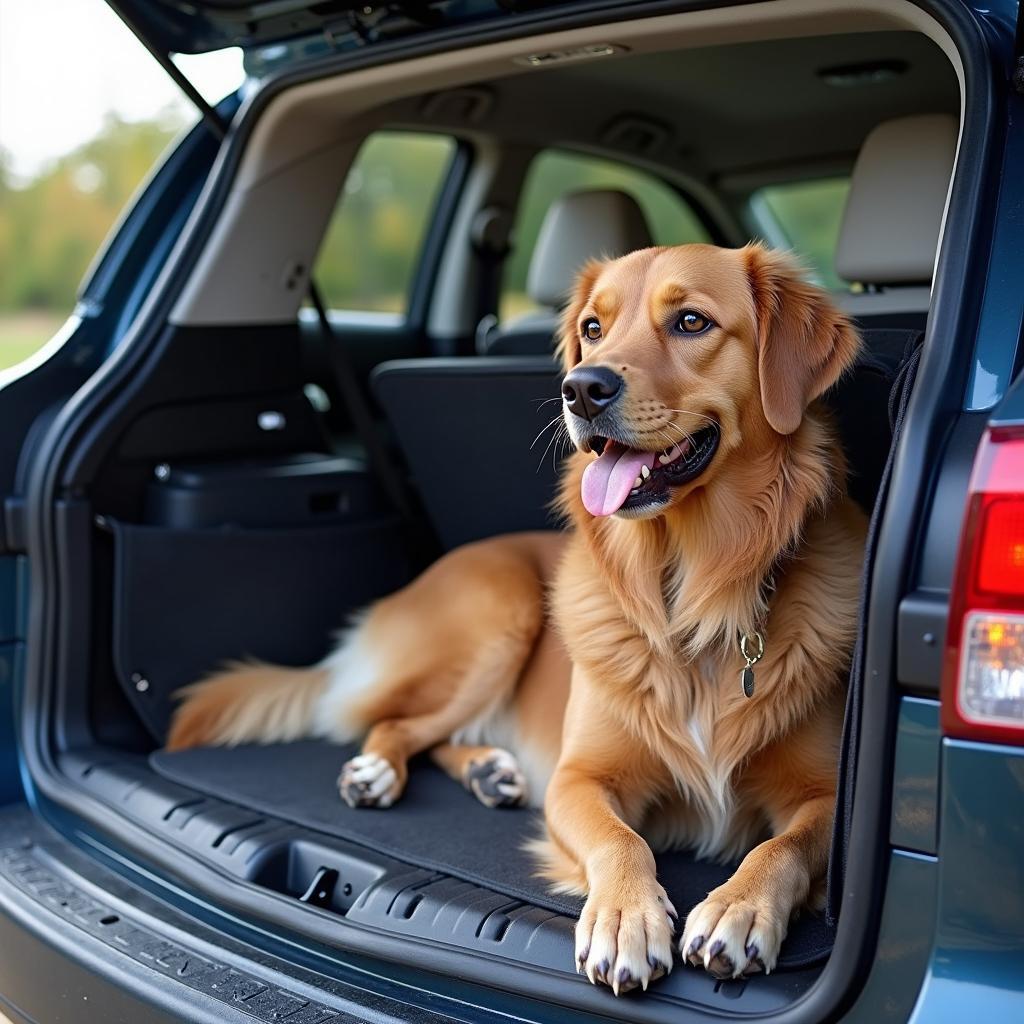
473	434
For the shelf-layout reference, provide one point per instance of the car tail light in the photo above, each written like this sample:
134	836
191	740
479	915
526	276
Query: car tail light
983	676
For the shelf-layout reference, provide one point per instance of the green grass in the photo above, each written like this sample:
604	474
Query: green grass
21	334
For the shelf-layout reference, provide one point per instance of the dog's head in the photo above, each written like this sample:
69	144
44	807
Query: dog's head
682	360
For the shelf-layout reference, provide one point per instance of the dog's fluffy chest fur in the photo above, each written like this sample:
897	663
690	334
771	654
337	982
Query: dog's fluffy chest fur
679	710
631	640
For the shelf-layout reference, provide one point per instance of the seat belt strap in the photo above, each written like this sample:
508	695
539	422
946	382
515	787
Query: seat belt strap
388	473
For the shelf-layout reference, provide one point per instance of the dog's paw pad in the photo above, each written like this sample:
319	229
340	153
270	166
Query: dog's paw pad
732	938
625	946
368	781
496	780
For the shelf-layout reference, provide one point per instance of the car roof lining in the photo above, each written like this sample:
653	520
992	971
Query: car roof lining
721	107
308	135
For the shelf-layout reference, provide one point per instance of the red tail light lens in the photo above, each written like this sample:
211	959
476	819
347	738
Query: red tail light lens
983	678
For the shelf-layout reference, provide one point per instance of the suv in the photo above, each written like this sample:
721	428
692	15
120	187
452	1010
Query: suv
211	467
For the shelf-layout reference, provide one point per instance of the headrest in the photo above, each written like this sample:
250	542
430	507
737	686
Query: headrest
897	195
579	227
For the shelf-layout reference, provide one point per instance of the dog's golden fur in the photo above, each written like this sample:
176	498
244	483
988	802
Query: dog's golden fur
622	706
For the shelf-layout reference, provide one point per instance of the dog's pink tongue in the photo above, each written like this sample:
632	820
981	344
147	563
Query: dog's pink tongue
608	480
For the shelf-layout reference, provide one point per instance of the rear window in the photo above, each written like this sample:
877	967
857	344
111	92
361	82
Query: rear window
371	250
554	174
805	216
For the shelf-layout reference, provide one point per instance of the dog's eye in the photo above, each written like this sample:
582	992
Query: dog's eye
692	322
591	329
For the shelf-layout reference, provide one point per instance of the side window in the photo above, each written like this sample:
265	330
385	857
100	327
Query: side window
804	216
553	174
370	252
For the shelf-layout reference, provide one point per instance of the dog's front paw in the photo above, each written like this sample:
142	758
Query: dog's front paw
625	941
369	780
496	780
731	934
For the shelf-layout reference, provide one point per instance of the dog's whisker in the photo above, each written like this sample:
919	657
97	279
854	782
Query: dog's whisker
544	454
565	441
541	402
661	434
555	434
547	426
690	412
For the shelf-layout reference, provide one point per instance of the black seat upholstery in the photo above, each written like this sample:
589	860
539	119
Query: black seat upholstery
473	433
860	403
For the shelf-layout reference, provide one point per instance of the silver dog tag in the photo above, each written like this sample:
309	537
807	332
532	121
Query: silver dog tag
752	650
747	681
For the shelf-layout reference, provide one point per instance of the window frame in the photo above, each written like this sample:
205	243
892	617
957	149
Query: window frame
431	251
717	235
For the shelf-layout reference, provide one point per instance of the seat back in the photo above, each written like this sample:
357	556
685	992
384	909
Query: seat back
473	433
581	226
893	216
860	404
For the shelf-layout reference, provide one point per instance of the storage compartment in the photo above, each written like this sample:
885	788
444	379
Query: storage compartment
187	600
288	491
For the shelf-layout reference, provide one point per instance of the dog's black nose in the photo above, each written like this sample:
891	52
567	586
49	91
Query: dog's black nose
588	390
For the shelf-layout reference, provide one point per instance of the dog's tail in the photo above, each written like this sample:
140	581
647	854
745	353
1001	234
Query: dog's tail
253	702
249	703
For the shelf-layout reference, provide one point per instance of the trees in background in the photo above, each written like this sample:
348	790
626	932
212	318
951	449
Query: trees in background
52	225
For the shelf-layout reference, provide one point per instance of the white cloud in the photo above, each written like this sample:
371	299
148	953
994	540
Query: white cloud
65	63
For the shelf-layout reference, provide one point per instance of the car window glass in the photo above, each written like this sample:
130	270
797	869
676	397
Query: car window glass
804	216
555	173
370	252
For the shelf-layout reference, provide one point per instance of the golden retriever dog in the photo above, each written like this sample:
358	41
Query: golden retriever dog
669	672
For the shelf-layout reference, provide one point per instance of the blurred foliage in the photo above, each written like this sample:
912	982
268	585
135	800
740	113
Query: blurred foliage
373	241
810	214
556	172
52	227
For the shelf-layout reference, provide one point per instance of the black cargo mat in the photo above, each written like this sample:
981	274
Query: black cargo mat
437	825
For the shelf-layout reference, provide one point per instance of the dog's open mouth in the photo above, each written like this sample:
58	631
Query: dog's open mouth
624	479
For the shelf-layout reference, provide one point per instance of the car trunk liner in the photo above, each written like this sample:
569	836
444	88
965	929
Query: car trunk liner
437	825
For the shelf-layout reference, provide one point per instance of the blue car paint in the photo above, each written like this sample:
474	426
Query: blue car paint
915	794
975	971
904	942
999	325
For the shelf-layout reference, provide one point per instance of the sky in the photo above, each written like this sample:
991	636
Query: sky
65	63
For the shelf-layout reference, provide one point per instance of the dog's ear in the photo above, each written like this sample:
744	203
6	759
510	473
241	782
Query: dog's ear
568	350
804	342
